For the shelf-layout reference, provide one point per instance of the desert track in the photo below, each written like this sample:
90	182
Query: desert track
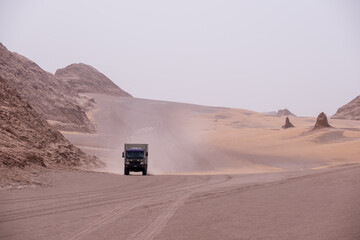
80	213
82	205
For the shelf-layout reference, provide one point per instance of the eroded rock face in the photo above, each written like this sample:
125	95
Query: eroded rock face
349	111
321	121
54	101
27	139
56	97
288	124
85	79
284	112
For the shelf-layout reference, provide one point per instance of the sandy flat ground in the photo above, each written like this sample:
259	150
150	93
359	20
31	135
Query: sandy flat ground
312	204
216	173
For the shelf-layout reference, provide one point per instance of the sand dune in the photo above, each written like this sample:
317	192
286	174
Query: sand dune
187	138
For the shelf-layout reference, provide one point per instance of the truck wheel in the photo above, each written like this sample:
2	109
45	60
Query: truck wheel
144	171
126	171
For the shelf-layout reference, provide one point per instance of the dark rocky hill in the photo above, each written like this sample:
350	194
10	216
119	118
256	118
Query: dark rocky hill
349	111
28	140
85	79
56	97
55	102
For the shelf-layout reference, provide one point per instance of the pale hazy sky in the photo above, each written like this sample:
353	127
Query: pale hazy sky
259	55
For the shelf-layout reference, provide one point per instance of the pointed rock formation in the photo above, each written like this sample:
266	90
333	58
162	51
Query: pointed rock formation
322	121
288	124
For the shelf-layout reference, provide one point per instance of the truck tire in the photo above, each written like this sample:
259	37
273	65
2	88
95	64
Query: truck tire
144	171
126	171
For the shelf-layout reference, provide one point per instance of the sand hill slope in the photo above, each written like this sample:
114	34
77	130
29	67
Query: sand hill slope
27	140
350	110
191	139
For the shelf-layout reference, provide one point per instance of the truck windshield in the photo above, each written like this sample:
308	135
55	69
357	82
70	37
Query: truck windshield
134	154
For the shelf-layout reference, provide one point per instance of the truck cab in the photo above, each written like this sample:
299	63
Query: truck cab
135	158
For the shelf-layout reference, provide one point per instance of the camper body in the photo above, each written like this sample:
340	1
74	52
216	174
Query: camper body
135	158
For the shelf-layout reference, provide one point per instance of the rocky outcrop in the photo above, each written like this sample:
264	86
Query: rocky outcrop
85	79
284	112
56	97
54	101
27	139
288	124
281	113
349	111
321	121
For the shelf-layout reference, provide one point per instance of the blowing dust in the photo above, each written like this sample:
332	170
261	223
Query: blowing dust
176	135
192	139
174	145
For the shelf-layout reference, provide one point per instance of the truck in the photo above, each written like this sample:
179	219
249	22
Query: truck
135	158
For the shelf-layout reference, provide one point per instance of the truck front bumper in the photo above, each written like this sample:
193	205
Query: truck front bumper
135	167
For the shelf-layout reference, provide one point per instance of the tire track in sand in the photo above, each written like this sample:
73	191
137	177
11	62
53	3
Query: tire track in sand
115	214
104	220
150	231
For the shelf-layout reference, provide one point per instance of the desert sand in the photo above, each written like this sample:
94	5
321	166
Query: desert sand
215	173
311	204
186	138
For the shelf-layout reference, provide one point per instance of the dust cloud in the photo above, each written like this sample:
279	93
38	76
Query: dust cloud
175	146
